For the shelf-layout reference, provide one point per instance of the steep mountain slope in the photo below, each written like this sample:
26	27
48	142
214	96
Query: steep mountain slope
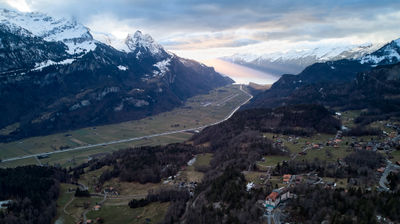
335	73
377	90
294	61
18	52
338	71
388	54
76	36
52	86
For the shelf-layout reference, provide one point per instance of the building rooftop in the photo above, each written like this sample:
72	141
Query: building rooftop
273	196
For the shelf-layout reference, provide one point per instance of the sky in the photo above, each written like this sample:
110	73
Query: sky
206	29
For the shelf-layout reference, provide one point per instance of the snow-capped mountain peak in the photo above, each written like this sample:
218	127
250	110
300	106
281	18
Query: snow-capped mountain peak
137	42
144	41
388	54
76	36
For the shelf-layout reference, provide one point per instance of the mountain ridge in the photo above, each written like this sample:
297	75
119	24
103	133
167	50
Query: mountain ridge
48	88
294	61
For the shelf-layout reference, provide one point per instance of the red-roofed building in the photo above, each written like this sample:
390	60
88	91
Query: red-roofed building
273	196
276	196
381	170
286	178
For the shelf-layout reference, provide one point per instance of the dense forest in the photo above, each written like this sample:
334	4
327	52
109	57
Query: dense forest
359	167
143	164
298	120
224	199
33	191
316	204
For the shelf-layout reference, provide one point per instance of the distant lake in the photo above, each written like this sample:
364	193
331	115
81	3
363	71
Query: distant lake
241	74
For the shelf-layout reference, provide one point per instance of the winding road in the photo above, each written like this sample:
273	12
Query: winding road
135	138
389	168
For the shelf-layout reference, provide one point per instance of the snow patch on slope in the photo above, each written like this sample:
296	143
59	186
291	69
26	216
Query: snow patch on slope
122	68
41	65
162	67
390	52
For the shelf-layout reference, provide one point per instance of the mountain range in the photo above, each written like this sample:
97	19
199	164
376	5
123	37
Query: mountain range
295	60
55	76
370	82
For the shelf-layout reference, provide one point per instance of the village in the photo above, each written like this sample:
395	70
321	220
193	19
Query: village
327	148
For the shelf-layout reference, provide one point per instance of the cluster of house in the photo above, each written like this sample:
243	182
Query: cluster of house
391	142
281	194
110	191
333	142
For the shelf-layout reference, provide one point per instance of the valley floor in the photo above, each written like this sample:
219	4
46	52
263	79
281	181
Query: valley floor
114	208
74	147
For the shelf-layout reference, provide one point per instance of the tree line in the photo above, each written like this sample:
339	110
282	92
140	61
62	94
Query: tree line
33	191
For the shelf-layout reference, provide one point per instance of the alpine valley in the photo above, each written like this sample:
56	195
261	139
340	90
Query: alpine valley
54	76
100	130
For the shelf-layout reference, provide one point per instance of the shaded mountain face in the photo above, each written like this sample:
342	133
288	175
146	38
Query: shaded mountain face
52	81
292	89
338	71
377	90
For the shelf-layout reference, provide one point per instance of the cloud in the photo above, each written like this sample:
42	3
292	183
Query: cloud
20	5
235	24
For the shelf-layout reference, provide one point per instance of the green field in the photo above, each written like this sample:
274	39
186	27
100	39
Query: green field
62	200
190	174
203	160
254	176
273	160
327	153
197	111
396	156
154	213
349	116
